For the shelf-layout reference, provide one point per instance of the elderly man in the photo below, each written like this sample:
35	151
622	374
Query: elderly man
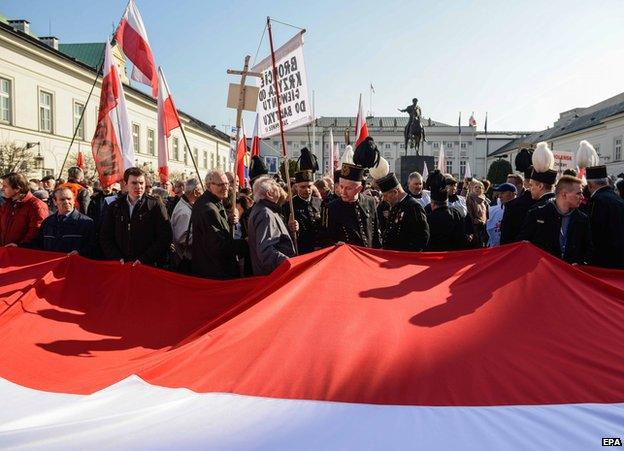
506	193
455	200
406	226
22	213
181	226
269	241
307	212
415	189
353	219
135	226
214	250
75	182
67	230
558	227
606	215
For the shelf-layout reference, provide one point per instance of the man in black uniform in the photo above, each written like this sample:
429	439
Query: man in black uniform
558	226
447	230
606	215
352	219
406	225
307	212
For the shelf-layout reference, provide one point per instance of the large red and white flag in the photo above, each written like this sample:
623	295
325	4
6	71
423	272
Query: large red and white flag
396	350
255	140
241	153
112	146
168	120
361	128
132	39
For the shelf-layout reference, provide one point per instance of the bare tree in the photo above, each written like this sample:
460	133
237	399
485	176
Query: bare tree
16	158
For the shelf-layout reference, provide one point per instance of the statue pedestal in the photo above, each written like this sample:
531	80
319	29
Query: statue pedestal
405	165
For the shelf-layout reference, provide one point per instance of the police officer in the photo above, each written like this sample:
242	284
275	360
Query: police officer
307	212
353	218
406	225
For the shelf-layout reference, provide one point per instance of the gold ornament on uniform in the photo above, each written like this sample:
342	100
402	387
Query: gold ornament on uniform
345	170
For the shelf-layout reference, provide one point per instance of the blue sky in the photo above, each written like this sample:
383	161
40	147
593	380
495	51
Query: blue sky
523	62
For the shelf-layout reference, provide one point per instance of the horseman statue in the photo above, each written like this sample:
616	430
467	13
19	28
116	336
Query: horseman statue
414	131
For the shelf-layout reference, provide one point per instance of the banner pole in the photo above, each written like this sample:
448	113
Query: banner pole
281	124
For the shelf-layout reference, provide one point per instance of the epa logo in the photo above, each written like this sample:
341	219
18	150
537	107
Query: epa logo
611	441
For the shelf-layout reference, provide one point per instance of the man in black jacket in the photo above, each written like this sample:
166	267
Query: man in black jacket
406	226
606	215
558	227
136	226
447	229
214	249
307	212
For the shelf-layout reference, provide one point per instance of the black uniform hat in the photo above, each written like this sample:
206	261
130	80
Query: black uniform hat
352	172
527	172
439	195
257	167
367	153
304	176
387	183
337	173
523	160
596	172
307	161
548	177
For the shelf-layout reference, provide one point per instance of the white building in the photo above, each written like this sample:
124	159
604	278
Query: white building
469	147
601	124
44	88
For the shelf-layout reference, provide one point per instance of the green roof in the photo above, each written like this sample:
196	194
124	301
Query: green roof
90	54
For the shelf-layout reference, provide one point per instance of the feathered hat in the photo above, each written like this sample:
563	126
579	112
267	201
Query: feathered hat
307	161
586	155
523	160
347	156
543	163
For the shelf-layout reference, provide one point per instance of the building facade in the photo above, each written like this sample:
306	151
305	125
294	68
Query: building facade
44	87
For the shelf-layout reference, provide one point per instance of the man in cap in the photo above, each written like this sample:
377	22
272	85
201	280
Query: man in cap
558	226
515	211
506	193
307	212
353	218
606	215
406	225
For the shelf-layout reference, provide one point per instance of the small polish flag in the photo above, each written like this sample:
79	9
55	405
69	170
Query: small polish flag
168	120
241	151
255	141
472	121
361	129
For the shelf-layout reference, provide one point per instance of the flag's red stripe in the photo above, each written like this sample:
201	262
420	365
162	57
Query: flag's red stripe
138	51
510	325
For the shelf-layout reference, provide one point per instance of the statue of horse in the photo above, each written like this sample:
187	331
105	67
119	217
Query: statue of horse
415	136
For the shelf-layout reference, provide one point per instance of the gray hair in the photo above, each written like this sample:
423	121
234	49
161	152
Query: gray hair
262	186
161	193
75	173
415	175
191	185
212	174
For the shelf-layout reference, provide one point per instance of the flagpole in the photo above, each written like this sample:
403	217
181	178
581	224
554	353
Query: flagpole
281	124
314	129
487	142
460	137
189	150
71	143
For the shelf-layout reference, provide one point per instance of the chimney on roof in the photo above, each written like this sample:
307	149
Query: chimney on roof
20	25
50	41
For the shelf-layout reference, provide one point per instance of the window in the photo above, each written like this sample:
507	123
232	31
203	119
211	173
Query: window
387	146
150	142
617	149
464	145
449	145
205	159
79	120
196	156
136	135
223	159
462	169
436	145
186	154
212	161
5	100
176	149
45	111
449	166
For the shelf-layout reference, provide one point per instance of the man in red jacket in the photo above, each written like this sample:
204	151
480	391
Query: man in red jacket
22	213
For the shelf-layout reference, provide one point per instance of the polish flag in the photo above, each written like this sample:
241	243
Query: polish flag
168	120
396	350
361	128
333	161
472	121
112	146
241	152
132	39
255	141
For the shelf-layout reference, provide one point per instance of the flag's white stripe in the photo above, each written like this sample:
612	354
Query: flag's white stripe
135	415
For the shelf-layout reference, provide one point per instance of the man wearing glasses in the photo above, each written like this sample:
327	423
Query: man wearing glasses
558	227
214	249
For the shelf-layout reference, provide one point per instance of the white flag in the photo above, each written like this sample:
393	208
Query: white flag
468	173
293	89
425	172
441	159
332	153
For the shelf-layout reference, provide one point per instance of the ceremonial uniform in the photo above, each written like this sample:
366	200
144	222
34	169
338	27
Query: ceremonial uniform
447	230
566	236
406	227
513	217
354	222
606	215
308	215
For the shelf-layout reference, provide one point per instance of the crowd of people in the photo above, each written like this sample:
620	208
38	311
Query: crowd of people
219	230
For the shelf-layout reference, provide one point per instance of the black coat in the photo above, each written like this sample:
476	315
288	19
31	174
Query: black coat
145	236
406	227
447	230
308	215
214	253
606	215
58	233
354	223
542	227
515	214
